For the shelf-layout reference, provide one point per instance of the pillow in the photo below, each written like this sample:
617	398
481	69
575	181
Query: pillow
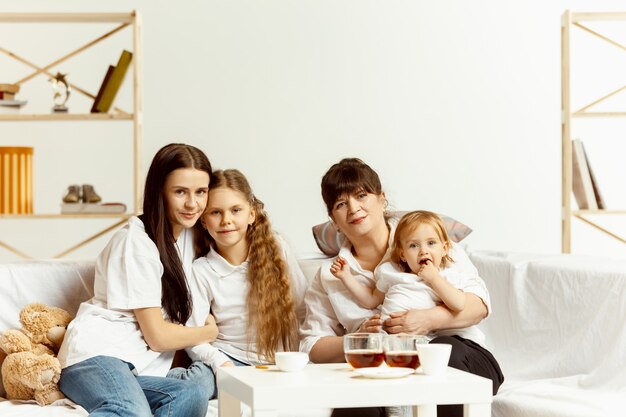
329	240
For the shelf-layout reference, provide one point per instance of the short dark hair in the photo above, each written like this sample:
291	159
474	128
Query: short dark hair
347	177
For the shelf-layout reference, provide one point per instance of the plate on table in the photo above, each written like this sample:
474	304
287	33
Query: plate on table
384	373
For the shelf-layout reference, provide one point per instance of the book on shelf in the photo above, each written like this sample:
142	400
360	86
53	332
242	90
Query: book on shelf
11	106
107	77
111	84
8	91
582	184
594	182
12	103
93	208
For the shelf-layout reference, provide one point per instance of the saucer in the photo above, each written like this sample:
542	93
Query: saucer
384	373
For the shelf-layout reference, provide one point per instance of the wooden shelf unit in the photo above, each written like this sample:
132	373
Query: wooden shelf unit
125	21
576	20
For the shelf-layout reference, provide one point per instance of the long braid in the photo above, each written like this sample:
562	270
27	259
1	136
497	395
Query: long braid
270	298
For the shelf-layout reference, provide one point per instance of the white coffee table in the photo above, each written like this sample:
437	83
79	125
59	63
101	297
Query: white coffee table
337	386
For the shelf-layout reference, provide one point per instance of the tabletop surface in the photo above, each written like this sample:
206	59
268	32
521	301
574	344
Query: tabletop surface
338	384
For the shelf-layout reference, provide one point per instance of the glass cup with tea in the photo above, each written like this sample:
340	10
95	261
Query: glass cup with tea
363	350
401	350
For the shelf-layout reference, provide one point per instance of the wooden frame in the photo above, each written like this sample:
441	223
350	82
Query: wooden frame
125	20
571	19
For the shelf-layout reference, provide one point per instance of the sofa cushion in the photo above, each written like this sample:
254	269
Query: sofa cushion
329	240
61	284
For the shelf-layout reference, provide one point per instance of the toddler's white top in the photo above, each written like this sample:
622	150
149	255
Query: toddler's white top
406	291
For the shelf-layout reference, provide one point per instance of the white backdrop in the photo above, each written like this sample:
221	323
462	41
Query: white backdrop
456	104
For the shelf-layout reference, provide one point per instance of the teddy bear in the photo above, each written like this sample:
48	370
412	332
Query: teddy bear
31	369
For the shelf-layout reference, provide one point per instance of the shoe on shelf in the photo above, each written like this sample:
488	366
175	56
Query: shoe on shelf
72	195
90	195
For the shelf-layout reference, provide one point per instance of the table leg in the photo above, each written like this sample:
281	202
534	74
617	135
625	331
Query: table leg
477	410
425	410
228	405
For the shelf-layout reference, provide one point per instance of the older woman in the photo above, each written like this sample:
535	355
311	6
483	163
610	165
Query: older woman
356	204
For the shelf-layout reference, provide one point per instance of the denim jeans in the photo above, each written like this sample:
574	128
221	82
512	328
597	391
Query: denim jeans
106	386
201	374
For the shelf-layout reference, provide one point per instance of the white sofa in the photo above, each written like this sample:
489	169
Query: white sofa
557	328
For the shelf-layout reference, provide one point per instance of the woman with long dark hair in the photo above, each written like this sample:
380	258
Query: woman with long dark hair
119	348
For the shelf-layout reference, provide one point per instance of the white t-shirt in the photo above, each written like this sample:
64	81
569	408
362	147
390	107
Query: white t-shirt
406	291
225	288
332	311
128	276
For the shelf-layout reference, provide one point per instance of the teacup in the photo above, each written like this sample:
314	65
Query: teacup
291	361
363	350
434	358
400	350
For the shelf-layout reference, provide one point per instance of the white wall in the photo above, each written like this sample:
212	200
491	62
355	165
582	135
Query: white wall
456	104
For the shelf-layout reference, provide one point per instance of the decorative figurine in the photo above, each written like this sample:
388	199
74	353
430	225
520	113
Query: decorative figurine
62	91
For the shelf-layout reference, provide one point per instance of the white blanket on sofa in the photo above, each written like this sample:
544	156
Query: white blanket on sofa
558	330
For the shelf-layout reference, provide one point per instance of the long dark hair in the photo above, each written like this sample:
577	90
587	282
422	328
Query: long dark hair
175	295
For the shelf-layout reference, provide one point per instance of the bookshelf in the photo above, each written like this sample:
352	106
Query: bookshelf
579	21
120	22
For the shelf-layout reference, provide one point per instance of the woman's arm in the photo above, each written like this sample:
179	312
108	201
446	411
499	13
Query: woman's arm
162	335
437	318
327	349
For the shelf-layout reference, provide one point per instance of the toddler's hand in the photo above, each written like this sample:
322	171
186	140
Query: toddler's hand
340	268
428	272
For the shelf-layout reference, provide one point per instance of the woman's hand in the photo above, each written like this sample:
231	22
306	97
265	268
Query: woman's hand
437	318
410	321
211	327
372	325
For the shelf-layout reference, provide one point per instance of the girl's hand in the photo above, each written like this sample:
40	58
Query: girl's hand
340	268
229	363
410	321
211	327
372	325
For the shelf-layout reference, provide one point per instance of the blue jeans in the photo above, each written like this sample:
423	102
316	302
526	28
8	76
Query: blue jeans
106	386
201	374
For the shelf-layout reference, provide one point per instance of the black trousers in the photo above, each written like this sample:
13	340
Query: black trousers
467	356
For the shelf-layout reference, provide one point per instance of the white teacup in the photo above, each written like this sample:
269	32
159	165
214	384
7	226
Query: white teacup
291	361
434	358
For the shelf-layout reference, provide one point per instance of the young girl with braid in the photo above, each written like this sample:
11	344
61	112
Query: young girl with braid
249	279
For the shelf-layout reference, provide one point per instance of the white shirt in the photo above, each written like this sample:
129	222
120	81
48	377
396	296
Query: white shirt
224	288
127	276
406	291
332	311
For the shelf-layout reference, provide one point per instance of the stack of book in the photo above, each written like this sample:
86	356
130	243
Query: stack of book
584	183
8	102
